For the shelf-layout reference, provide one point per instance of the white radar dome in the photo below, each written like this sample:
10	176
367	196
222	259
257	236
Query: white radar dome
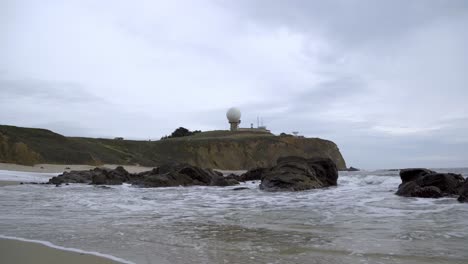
233	115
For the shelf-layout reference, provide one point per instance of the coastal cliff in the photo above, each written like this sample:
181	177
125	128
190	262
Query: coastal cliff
213	149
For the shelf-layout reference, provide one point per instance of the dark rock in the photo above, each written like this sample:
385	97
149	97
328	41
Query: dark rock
427	192
252	175
167	175
426	183
407	175
241	188
174	174
73	177
111	177
351	169
95	176
103	187
463	198
297	174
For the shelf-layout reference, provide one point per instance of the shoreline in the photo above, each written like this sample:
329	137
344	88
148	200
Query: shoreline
60	168
26	251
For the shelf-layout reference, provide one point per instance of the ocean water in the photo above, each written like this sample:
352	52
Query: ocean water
359	221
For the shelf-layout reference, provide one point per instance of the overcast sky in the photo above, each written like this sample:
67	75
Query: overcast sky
385	80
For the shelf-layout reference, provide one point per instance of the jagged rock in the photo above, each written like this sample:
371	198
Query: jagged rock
74	177
428	184
252	175
407	175
98	176
181	175
297	174
463	198
173	174
111	177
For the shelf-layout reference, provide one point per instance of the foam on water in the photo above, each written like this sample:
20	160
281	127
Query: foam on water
359	220
6	175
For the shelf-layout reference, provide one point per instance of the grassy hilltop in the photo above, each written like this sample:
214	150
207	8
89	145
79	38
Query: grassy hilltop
213	149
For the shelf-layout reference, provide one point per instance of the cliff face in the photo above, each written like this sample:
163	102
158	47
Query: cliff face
254	152
213	149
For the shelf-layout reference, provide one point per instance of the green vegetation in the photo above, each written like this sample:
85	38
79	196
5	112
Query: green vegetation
181	132
211	149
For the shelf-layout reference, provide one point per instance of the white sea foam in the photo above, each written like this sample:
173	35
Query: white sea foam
6	175
361	214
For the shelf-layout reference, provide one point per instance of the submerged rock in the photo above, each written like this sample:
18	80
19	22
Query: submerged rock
240	188
426	183
351	169
298	174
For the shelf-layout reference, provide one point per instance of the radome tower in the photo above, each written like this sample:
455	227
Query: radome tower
233	115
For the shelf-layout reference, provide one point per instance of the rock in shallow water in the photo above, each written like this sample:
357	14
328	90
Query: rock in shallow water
426	183
298	174
464	192
166	176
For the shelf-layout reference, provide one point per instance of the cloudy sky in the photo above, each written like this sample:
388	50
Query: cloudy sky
385	80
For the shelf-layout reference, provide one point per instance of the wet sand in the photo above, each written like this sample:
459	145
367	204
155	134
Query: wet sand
16	251
7	183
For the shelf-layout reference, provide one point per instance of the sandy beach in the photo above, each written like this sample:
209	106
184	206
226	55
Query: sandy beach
17	251
59	168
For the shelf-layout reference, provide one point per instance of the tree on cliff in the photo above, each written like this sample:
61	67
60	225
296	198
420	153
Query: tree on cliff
181	132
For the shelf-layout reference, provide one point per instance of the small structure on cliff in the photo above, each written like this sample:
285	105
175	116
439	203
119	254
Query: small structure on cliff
234	114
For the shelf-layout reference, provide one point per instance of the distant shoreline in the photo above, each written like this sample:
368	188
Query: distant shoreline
25	251
60	168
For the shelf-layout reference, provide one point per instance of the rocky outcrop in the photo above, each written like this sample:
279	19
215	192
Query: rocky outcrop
251	175
97	176
463	198
429	184
165	176
181	175
298	174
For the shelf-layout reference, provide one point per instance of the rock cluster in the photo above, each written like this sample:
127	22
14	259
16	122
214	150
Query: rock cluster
251	175
297	174
430	184
463	198
164	176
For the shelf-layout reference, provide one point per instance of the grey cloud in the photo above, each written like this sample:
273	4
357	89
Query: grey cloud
60	92
352	22
385	80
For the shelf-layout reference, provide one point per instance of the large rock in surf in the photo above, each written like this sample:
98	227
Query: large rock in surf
251	175
98	176
181	175
428	184
463	198
298	174
171	174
